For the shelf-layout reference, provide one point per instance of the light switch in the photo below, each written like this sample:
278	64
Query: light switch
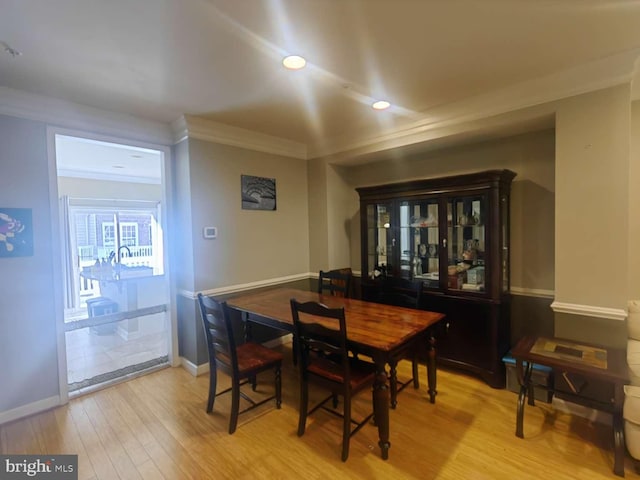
210	232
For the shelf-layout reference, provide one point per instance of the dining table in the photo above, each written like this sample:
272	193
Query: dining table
382	332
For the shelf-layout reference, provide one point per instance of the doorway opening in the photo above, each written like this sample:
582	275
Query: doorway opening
116	296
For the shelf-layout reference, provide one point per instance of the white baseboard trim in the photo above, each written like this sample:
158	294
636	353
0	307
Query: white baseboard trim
581	411
192	368
30	409
590	311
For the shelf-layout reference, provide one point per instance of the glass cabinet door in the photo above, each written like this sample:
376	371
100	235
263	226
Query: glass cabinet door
419	241
380	239
466	217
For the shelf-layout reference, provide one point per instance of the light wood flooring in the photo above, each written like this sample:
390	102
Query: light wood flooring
156	427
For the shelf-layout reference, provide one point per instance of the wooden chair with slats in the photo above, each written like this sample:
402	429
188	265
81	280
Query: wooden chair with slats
241	362
335	282
319	328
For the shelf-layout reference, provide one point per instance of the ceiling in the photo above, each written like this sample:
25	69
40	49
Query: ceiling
221	59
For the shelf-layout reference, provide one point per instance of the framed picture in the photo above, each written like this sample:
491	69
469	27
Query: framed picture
16	232
258	193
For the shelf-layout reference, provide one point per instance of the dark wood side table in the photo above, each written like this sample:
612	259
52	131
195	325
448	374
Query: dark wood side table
578	364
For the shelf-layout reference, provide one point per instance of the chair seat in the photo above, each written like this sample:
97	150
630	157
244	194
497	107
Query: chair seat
361	372
253	356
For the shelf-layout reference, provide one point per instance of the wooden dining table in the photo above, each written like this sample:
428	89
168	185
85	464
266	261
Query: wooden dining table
382	332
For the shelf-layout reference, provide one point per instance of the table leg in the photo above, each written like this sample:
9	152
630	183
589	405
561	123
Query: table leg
618	432
393	381
431	369
524	381
381	407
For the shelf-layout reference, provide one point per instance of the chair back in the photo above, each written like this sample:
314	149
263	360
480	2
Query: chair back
401	292
218	332
335	282
321	329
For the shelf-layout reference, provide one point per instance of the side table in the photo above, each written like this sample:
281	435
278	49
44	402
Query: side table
574	360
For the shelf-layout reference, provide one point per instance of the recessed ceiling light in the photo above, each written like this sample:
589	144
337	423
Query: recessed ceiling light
117	166
294	62
381	105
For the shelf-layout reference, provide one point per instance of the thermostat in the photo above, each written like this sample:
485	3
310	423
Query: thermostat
210	232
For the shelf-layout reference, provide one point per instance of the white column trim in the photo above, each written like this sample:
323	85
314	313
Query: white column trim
590	311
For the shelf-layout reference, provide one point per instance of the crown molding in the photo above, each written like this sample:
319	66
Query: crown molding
447	119
590	311
61	113
192	126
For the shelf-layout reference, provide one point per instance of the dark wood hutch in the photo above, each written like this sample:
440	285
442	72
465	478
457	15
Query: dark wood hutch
451	234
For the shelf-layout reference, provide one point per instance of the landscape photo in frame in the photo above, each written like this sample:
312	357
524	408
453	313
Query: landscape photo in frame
258	193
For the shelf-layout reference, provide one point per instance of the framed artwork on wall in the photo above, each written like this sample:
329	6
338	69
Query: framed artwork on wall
16	232
258	193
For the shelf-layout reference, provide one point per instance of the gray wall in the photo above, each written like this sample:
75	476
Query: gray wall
28	350
252	246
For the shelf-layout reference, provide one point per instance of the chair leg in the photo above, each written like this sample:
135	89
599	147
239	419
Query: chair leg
346	427
304	406
278	387
254	382
235	406
213	381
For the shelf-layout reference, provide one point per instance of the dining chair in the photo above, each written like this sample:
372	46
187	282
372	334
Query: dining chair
335	282
241	362
402	292
320	328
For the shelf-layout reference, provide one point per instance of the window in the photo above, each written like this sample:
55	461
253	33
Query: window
97	230
108	234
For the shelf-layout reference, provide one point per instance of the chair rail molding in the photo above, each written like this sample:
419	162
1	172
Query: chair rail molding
246	286
619	314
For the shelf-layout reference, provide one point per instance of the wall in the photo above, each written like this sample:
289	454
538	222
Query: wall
87	188
592	215
28	349
252	246
531	156
634	203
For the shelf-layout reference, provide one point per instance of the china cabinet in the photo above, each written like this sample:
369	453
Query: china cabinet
452	234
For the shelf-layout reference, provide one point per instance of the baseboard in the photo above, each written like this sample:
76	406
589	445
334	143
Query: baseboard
192	368
30	409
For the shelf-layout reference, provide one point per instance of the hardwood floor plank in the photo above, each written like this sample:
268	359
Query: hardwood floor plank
95	451
115	450
156	427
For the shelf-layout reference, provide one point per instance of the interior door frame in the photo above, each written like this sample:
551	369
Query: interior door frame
166	216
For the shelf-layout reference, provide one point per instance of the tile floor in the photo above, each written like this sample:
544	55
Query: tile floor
90	354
